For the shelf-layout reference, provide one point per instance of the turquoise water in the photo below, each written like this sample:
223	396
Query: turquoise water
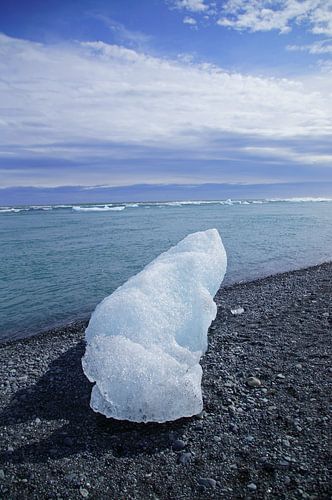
58	262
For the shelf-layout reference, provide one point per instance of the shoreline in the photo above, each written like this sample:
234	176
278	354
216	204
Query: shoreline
250	442
79	321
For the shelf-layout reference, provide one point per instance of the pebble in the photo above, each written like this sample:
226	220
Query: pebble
268	466
68	441
253	382
252	487
233	427
185	458
207	482
37	421
280	376
198	427
73	479
179	444
84	493
2	474
284	464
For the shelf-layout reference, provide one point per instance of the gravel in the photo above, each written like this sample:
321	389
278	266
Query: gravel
270	440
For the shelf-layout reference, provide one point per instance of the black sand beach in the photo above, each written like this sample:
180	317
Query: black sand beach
264	438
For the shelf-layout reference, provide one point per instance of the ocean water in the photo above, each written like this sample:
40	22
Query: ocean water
57	262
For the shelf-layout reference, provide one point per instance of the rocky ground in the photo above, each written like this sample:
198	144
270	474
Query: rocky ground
264	432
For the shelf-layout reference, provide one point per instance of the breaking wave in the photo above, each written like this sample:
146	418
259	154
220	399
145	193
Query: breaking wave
105	208
161	204
298	200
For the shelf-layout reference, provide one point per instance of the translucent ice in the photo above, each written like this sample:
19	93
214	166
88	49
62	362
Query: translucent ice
144	341
237	311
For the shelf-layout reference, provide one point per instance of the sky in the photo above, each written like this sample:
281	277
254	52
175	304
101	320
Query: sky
162	99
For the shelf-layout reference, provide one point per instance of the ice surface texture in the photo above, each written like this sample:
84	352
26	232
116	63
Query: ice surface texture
144	341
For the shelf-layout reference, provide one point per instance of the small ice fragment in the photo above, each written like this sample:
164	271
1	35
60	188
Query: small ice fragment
237	311
144	341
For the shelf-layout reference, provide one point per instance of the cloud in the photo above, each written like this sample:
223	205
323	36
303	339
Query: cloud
319	47
189	20
325	66
264	15
101	105
190	5
320	18
314	16
289	154
134	39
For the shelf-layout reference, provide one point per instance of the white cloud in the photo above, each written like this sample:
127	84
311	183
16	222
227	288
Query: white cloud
191	5
135	39
93	94
325	66
266	15
315	16
321	18
190	20
287	153
319	47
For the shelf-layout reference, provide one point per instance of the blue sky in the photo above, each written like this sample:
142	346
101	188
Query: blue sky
165	92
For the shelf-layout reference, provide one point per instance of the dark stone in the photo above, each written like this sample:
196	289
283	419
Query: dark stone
207	482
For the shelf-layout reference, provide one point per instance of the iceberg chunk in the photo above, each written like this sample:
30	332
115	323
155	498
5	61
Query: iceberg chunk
144	341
